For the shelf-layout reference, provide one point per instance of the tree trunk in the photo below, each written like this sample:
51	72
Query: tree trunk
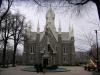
97	2
4	54
14	55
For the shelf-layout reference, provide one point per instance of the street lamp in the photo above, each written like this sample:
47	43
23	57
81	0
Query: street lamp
97	50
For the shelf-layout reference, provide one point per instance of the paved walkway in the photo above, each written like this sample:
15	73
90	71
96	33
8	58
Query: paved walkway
17	71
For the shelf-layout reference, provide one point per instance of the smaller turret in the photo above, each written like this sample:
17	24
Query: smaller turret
28	31
71	32
59	33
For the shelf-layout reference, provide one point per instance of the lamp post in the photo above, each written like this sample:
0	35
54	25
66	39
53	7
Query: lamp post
97	50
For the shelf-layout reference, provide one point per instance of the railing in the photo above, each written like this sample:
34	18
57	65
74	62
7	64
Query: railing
93	63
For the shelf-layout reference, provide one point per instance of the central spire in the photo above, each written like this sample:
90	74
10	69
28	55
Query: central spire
50	17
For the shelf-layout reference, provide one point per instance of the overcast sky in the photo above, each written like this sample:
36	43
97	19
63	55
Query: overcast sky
84	22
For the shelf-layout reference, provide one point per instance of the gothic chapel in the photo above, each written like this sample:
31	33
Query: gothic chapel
56	48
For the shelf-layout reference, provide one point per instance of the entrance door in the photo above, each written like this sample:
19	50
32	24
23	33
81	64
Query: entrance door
45	63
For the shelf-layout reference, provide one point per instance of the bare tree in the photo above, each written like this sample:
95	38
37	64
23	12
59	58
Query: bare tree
89	39
3	15
78	3
82	2
18	32
5	35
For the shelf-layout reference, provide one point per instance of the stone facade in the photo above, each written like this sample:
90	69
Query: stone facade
49	46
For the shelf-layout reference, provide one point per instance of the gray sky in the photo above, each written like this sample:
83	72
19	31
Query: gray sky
84	22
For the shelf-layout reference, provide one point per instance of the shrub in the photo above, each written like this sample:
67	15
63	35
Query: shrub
52	67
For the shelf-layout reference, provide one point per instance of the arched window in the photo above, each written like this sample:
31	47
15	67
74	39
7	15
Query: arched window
65	50
31	49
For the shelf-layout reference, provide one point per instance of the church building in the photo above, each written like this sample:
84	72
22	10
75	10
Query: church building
50	46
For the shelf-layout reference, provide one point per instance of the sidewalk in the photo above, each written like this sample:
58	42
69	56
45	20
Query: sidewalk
75	70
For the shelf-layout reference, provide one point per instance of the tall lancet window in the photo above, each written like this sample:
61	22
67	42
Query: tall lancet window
32	49
65	50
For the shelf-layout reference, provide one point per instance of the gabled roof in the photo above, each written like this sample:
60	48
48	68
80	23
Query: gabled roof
64	35
52	29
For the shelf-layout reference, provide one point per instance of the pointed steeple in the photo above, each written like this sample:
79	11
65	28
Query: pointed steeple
50	16
38	27
59	29
69	27
30	27
28	31
71	31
